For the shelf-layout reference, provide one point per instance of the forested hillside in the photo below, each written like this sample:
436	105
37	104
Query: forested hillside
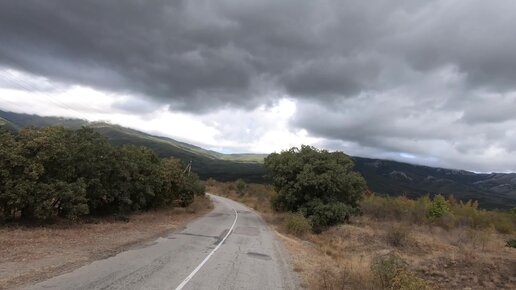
494	190
206	163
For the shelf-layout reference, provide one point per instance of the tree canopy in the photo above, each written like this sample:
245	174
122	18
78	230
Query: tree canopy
320	184
70	173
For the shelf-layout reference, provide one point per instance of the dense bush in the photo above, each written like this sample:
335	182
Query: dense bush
322	215
319	183
438	207
241	187
58	172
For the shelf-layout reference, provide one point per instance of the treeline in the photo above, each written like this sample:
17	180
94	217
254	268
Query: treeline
57	172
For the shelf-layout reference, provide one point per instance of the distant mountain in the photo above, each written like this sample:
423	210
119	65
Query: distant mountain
7	124
496	190
24	120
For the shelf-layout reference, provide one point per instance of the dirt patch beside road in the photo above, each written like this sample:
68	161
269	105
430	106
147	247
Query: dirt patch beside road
29	255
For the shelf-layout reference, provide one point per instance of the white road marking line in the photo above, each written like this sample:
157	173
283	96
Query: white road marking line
185	281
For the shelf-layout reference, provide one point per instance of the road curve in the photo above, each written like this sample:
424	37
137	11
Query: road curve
251	257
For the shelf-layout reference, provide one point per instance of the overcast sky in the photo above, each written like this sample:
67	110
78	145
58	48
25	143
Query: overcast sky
430	82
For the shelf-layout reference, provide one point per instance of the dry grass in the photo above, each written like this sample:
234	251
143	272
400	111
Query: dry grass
445	259
31	254
455	257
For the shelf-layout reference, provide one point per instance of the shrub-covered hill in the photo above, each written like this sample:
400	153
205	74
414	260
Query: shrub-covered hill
496	190
206	163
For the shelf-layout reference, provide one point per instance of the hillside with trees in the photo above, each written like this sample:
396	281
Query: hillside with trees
206	163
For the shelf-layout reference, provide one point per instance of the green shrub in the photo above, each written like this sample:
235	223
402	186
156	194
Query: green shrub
241	187
405	280
297	224
438	207
322	215
302	175
386	267
511	243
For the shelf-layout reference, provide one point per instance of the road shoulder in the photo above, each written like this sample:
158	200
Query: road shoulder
32	254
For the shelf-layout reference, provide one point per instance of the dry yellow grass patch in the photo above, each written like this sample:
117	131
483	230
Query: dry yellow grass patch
340	258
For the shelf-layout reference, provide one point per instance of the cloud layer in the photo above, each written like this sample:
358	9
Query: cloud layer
433	80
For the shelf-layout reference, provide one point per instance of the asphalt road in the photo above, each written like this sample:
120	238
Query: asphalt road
229	248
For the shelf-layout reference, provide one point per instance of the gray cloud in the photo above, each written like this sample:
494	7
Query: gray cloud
136	106
183	51
391	76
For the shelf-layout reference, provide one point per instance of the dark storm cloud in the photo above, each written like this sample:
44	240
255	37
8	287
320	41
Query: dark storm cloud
164	49
331	77
196	54
384	74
